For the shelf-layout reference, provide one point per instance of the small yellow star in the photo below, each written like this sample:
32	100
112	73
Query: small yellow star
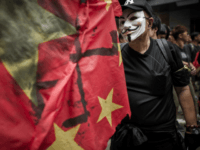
109	2
117	45
65	140
107	107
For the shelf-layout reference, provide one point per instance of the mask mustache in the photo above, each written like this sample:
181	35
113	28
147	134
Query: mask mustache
129	30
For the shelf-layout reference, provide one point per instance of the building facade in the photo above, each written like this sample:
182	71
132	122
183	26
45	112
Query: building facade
178	12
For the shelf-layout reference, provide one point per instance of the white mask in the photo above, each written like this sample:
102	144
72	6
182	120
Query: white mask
132	24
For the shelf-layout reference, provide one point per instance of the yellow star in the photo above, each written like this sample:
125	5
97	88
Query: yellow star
65	140
107	107
26	33
109	2
117	45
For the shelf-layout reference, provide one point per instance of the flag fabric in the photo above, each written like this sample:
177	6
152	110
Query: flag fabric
62	83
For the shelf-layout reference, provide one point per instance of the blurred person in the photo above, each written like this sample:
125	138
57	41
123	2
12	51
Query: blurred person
195	36
153	32
171	39
164	32
180	34
149	79
189	40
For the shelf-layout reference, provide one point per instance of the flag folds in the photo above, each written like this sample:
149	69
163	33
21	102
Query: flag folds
62	83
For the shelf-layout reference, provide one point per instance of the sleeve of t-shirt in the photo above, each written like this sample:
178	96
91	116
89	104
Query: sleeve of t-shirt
180	76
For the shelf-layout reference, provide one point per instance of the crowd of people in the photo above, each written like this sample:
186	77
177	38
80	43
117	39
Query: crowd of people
162	71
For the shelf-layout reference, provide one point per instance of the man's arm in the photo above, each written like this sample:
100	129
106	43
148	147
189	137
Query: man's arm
187	104
194	71
192	67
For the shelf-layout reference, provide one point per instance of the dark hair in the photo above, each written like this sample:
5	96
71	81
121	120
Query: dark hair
178	30
156	23
164	30
194	34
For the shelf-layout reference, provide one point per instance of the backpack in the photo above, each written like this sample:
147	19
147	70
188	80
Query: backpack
164	47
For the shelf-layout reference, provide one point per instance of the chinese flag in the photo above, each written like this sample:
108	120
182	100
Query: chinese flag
62	83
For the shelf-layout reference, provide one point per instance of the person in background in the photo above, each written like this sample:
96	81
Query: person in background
171	38
195	36
164	32
180	34
153	32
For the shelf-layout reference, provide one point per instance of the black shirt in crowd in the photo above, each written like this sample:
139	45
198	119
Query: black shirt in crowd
149	80
186	53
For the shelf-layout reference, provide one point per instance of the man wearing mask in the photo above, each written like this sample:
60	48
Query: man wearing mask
149	79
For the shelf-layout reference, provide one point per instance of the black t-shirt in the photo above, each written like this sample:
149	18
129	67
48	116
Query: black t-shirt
149	84
191	50
186	52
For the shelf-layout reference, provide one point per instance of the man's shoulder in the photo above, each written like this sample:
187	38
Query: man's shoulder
122	45
170	44
124	50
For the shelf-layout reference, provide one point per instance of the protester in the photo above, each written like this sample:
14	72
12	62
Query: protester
155	29
149	79
180	34
171	38
195	36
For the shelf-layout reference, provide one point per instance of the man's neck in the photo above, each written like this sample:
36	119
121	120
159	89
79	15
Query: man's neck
195	43
154	36
180	43
141	44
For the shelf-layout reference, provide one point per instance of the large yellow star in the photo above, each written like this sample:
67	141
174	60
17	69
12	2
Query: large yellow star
117	45
109	2
26	33
65	140
108	107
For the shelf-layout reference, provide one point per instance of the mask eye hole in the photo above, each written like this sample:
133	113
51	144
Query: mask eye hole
121	23
133	18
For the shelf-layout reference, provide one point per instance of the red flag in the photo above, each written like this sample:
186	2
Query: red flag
77	95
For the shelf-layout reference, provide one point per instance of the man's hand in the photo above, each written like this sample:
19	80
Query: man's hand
193	68
185	63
